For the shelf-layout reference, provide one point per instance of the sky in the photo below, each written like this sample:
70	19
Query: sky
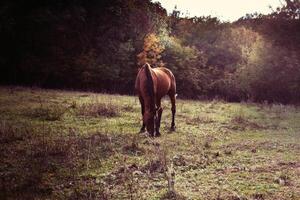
226	10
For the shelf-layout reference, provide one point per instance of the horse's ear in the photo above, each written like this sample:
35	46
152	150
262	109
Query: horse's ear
139	68
147	64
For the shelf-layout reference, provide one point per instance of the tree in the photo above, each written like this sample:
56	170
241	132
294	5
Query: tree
152	50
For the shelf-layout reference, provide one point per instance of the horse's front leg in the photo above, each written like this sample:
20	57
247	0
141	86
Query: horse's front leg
173	108
143	129
158	118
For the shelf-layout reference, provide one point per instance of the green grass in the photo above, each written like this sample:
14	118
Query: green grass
76	145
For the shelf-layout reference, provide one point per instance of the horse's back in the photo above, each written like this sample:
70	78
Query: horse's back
166	71
165	81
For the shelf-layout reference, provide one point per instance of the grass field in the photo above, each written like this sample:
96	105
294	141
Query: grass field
76	145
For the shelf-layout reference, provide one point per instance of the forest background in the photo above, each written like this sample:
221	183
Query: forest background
99	45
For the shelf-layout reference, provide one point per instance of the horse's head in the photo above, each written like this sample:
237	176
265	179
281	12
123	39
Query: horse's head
149	121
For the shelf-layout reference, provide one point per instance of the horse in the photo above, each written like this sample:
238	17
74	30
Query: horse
151	85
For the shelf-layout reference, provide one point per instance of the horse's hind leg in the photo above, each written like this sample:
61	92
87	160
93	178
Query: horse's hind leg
173	108
143	129
158	119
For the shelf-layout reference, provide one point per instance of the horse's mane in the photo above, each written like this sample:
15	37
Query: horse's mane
150	86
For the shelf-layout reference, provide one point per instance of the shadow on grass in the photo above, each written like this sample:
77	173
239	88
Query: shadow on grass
41	164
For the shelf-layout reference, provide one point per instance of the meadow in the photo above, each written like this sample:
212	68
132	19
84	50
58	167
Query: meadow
58	144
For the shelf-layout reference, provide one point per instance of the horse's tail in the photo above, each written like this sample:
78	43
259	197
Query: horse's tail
150	86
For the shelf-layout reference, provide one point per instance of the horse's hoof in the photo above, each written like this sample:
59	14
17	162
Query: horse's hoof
151	134
157	134
142	131
172	129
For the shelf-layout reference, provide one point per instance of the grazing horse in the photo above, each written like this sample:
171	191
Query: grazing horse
151	85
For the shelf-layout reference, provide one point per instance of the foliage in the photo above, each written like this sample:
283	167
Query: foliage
152	49
272	73
98	45
187	64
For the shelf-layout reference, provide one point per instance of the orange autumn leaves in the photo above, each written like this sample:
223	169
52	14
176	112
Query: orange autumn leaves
151	53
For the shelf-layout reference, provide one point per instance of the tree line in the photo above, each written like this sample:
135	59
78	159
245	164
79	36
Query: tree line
99	45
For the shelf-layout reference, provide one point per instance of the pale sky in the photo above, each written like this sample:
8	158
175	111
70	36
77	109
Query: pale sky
226	10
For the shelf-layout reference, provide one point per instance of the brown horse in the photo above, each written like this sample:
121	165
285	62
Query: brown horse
151	85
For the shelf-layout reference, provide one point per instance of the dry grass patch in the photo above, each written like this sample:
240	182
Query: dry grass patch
97	109
47	112
240	122
199	120
128	108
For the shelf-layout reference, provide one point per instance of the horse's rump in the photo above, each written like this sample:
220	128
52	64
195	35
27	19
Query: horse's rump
155	82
